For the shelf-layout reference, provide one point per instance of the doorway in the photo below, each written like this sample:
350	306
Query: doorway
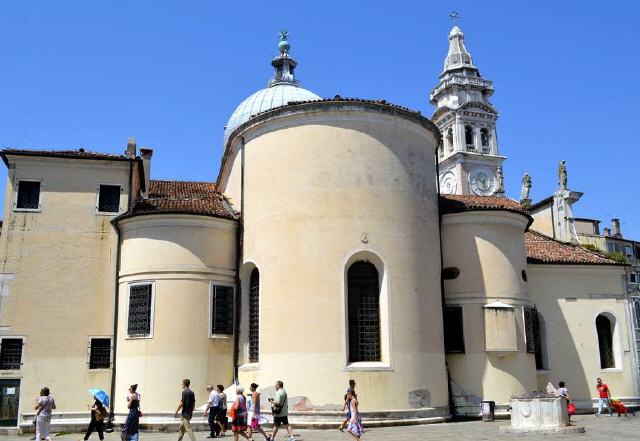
9	400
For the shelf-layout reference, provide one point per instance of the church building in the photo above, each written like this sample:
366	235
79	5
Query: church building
342	239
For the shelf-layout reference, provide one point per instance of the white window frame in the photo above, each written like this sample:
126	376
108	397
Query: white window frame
108	213
212	285
153	309
635	276
628	248
93	337
24	348
15	196
616	343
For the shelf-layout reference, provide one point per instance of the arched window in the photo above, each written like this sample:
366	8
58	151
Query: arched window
468	136
484	136
604	327
450	139
363	312
254	316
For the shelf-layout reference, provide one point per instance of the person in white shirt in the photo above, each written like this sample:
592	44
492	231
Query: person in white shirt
212	411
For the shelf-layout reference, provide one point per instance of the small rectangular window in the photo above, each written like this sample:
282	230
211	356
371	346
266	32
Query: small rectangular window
10	353
628	251
611	247
28	195
100	353
140	310
222	310
453	330
632	278
109	199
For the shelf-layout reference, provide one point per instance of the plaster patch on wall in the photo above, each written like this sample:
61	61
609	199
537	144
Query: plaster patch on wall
419	398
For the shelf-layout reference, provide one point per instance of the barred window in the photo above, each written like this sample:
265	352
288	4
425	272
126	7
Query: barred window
453	330
363	312
532	334
222	310
10	353
109	199
28	195
140	310
254	316
100	353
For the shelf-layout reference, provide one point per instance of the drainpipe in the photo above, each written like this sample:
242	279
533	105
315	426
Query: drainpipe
239	256
452	408
115	308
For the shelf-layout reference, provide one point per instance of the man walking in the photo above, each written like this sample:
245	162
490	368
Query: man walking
604	397
212	410
187	404
280	409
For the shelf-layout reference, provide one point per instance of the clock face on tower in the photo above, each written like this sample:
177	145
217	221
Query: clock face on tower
482	181
448	183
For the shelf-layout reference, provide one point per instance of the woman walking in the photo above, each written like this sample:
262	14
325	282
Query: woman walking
238	415
129	431
253	416
222	409
98	413
355	422
43	408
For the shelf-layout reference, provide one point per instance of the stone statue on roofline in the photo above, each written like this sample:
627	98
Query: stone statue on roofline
562	175
499	182
525	189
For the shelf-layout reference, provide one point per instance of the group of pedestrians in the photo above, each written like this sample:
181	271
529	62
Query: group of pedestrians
352	422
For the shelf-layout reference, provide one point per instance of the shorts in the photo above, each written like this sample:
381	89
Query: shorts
278	421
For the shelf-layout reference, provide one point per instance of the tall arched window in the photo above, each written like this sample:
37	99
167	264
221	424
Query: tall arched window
484	137
468	136
450	138
363	312
254	316
604	327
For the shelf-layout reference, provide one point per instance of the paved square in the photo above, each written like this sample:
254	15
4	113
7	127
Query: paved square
605	428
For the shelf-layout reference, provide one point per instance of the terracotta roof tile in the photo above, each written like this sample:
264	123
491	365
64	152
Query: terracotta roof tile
183	197
459	203
544	249
71	154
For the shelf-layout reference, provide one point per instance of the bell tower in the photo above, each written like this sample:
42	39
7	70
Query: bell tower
470	162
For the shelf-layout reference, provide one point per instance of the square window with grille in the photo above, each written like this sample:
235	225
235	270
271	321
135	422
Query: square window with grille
10	353
109	199
140	310
222	310
532	334
100	353
254	316
453	330
28	195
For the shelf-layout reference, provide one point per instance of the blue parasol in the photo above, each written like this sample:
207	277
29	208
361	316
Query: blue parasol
100	396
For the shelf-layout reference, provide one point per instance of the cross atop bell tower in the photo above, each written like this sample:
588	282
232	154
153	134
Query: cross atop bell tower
470	162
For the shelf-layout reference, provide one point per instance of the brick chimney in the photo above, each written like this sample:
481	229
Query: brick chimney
615	226
131	148
607	231
146	154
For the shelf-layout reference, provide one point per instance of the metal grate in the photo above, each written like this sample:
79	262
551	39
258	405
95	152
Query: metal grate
254	316
100	353
605	342
109	199
139	323
453	330
364	312
10	353
28	195
222	313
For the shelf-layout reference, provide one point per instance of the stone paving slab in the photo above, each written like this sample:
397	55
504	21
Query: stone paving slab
600	429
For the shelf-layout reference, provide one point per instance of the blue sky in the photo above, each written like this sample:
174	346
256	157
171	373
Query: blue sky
91	74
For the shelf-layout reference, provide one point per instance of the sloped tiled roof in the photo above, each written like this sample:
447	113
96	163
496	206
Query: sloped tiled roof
71	154
459	203
183	197
544	249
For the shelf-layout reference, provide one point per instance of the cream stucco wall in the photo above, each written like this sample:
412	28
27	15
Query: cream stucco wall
569	298
543	220
63	259
324	189
488	249
181	255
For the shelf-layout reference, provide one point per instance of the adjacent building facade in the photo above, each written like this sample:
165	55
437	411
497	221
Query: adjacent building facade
342	239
